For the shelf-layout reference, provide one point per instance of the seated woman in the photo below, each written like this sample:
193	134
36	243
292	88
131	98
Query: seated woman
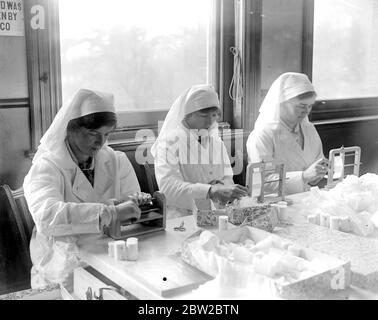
283	132
191	162
76	186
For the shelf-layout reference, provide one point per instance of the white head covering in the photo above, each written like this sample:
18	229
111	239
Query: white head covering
194	99
84	103
287	86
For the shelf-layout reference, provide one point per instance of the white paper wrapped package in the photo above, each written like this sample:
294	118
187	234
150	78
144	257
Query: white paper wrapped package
208	218
248	212
361	224
249	258
354	201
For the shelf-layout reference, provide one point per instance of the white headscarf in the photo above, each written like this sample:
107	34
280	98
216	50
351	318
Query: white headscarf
194	99
84	103
287	86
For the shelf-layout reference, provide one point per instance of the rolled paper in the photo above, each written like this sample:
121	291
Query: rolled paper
120	250
266	265
334	223
312	218
286	262
294	250
361	224
293	263
264	245
243	255
223	223
325	219
317	218
374	219
280	243
132	249
111	249
344	224
281	208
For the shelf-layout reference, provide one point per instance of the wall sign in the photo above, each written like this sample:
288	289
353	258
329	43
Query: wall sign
12	18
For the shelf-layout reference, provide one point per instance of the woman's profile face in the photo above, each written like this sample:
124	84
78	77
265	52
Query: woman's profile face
89	141
296	109
202	119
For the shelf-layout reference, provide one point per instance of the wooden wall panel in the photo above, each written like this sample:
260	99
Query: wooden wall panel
362	133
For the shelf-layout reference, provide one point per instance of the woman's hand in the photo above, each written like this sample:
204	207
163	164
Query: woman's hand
213	182
127	211
141	198
315	172
227	193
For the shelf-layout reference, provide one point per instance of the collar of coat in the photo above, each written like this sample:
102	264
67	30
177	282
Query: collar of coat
64	160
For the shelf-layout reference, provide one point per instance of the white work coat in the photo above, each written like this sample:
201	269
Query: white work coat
65	208
184	174
276	142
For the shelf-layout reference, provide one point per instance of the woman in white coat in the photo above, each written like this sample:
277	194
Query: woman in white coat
76	186
192	166
283	132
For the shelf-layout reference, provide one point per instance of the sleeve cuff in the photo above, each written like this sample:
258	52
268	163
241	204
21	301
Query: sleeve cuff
200	190
296	184
107	215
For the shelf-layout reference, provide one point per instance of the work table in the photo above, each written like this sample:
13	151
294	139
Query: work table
154	246
158	260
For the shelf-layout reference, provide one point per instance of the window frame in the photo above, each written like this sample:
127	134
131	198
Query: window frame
237	23
44	71
324	111
331	110
43	65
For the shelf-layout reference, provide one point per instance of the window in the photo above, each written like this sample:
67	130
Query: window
145	52
281	41
345	58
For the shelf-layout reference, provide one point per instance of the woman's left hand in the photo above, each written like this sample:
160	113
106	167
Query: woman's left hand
141	198
321	168
216	182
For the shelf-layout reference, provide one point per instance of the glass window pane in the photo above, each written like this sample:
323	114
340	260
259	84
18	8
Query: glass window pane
145	52
346	49
281	39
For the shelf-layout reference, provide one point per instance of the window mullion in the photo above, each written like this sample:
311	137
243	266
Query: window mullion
43	66
308	37
249	41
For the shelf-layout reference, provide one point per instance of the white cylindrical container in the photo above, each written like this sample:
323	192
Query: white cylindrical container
111	249
325	219
344	224
132	249
294	250
281	210
120	250
267	265
317	218
334	223
312	218
223	223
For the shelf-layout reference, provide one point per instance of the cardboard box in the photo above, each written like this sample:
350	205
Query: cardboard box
314	286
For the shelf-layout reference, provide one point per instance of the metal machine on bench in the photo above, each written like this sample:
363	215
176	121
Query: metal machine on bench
341	155
153	218
260	171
